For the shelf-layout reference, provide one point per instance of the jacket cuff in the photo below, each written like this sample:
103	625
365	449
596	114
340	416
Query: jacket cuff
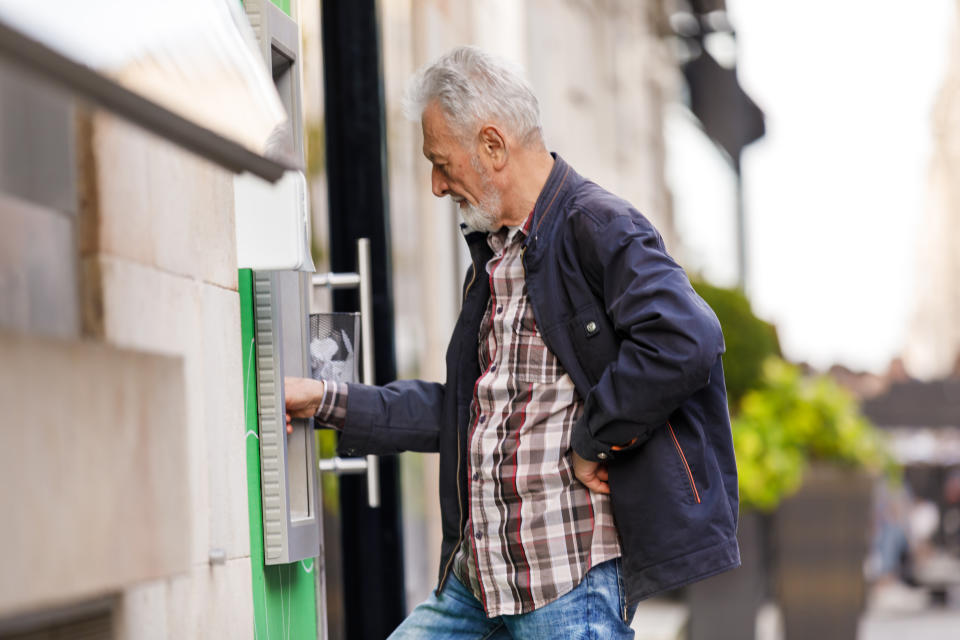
589	448
356	432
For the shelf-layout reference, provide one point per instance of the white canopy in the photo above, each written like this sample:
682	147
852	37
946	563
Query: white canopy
197	59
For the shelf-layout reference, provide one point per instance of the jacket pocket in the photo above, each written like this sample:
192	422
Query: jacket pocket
683	460
594	341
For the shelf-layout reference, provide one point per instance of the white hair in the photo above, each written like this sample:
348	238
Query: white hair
471	87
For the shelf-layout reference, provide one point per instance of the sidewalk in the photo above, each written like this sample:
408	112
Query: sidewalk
667	620
660	619
896	611
930	624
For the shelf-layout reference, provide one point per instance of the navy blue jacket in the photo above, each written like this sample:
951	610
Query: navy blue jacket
643	350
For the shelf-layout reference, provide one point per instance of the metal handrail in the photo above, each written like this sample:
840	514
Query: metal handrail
362	281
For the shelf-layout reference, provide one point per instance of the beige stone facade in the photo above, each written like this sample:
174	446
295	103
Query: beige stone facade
933	341
94	498
160	261
122	448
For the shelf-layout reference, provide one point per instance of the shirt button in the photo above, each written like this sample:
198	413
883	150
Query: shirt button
483	419
591	326
602	455
493	367
478	535
499	309
476	476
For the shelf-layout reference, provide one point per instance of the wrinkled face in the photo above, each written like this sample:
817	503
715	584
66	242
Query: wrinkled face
458	173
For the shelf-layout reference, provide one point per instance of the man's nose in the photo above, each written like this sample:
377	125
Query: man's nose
438	184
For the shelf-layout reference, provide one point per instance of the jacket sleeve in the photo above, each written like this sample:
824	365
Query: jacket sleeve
669	338
402	416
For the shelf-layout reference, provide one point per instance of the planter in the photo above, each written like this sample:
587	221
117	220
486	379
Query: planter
820	542
724	607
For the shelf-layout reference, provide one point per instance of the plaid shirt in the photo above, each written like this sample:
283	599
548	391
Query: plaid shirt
533	530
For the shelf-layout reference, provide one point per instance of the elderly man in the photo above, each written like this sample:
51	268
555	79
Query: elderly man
586	460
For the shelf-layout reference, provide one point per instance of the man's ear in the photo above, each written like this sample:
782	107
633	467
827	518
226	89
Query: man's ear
493	145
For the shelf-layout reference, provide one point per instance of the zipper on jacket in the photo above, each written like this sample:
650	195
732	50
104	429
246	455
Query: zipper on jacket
683	458
456	548
473	269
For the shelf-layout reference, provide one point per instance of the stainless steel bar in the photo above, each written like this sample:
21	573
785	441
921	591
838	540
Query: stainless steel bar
366	332
336	280
361	280
342	466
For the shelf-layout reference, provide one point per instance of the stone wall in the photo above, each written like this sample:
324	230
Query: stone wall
158	259
93	497
122	446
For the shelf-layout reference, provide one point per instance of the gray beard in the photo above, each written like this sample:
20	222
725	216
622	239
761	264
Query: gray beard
480	218
486	215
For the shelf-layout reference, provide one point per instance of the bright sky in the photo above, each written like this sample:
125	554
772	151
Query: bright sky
835	191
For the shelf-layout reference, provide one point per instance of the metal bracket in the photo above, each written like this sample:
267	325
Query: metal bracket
371	464
343	466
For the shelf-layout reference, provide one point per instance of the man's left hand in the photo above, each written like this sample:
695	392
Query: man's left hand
592	474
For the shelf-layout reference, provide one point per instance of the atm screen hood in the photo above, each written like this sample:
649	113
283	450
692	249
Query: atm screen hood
187	70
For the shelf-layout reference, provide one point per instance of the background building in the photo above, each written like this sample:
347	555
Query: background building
933	341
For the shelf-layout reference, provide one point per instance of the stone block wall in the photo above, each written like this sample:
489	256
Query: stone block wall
122	445
94	497
158	264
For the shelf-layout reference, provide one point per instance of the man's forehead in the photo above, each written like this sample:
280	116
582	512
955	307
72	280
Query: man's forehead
436	132
432	113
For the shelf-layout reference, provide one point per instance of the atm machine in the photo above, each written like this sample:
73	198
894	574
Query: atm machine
294	594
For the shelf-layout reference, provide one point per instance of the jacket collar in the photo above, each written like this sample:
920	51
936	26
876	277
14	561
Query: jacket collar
558	183
561	177
476	241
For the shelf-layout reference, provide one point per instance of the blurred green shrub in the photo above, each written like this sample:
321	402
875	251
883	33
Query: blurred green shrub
790	420
749	340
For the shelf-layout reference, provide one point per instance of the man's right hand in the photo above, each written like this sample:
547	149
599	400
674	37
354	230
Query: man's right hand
592	474
303	398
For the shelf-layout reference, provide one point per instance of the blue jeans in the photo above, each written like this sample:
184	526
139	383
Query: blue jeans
594	610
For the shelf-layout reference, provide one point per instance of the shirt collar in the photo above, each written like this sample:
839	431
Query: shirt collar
505	235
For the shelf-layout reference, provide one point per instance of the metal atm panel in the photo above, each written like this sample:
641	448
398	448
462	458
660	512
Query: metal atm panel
291	519
291	512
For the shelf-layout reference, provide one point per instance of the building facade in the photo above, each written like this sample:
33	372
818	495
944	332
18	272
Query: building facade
125	486
127	434
933	341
